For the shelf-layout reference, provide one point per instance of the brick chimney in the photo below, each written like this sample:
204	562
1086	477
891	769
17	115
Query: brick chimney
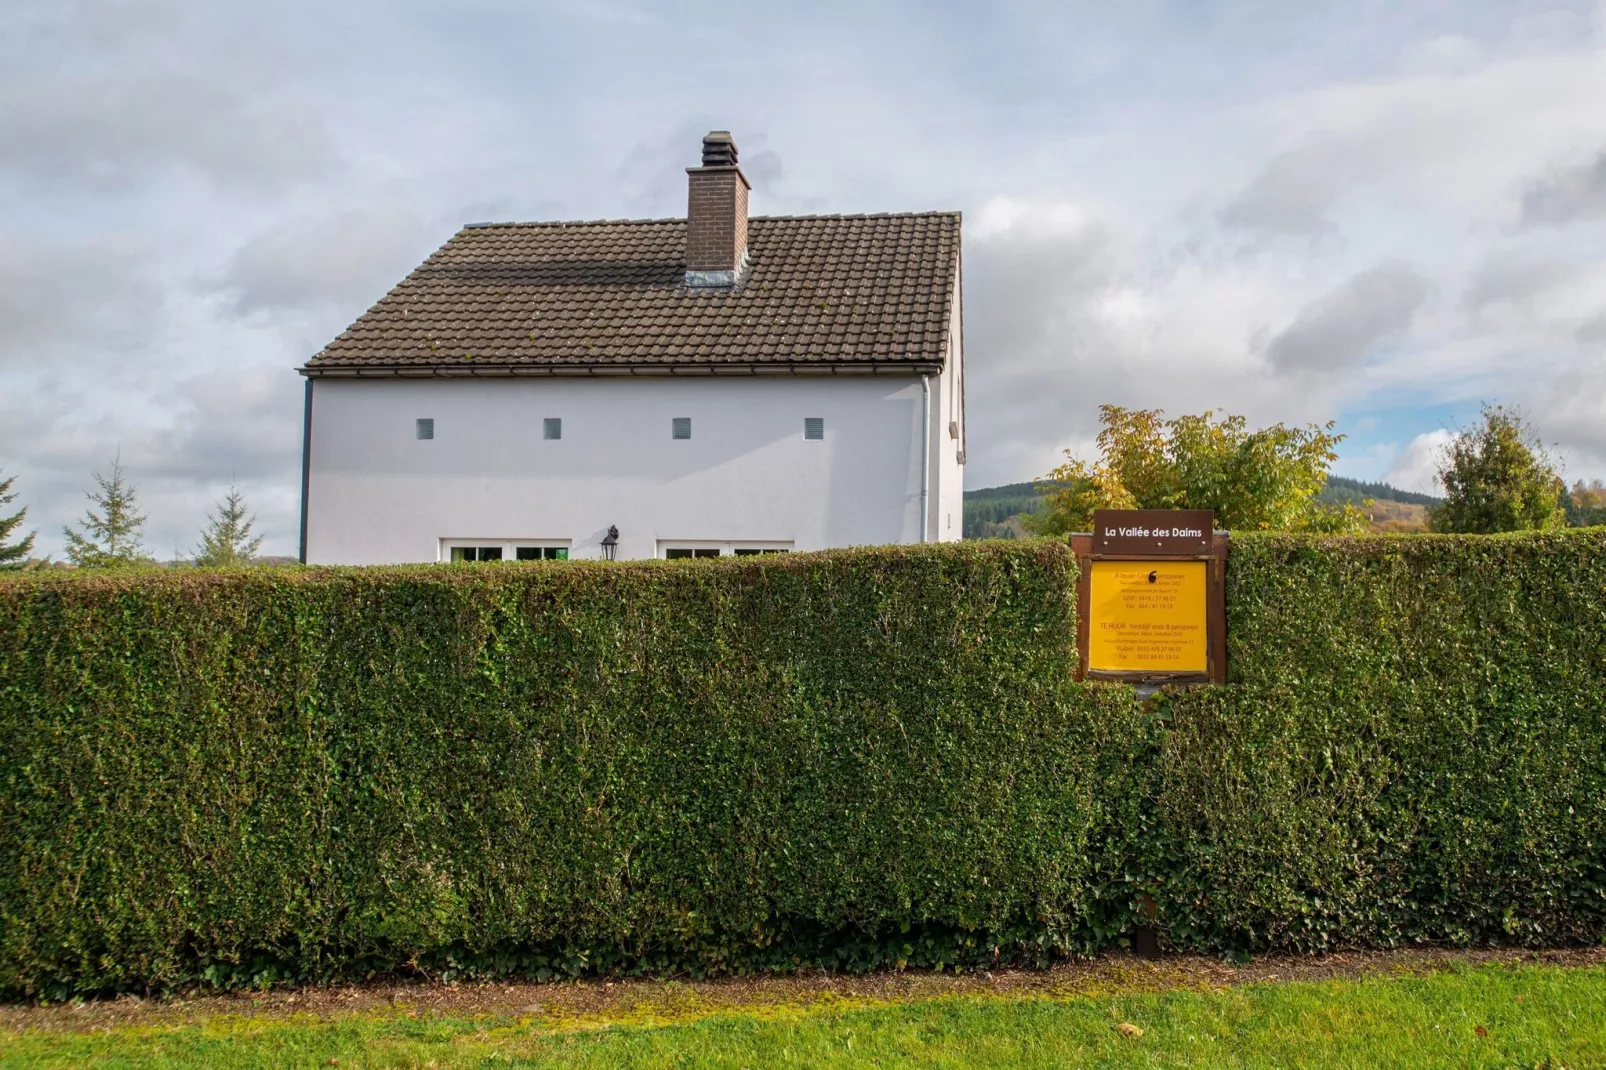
716	215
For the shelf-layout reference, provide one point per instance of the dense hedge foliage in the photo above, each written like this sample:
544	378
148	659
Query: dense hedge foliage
1413	747
853	758
549	767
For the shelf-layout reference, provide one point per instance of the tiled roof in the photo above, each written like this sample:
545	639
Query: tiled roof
872	290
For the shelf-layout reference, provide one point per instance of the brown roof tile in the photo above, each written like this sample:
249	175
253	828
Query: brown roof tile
832	289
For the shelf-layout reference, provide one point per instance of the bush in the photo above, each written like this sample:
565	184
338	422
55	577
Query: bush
853	759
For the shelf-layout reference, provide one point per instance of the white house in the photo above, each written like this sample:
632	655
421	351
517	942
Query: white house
701	386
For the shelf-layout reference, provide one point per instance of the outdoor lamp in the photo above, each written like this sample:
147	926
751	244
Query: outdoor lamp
610	543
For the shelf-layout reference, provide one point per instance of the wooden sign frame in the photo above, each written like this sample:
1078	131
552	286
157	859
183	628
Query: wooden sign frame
1215	610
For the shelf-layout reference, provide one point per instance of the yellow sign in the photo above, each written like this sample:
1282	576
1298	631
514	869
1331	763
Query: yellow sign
1147	616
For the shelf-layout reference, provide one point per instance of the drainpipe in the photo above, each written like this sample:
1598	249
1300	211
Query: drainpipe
306	464
925	450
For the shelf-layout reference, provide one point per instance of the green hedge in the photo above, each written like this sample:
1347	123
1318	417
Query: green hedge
544	767
853	758
1413	748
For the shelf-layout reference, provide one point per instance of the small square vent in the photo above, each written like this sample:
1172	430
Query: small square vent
680	427
814	427
426	427
551	428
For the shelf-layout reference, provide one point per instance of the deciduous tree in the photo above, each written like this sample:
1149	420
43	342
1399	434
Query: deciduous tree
1586	505
1498	477
1264	480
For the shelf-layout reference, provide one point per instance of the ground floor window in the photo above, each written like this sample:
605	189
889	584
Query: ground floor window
504	550
681	550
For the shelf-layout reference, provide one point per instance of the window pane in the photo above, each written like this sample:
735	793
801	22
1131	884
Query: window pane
705	553
677	554
490	553
558	553
462	553
527	553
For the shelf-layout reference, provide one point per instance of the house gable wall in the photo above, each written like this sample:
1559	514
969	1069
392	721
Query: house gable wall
377	494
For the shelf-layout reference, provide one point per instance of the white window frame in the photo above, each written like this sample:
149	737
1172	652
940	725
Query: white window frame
509	547
726	547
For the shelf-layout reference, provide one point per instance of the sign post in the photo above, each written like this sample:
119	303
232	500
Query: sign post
1150	600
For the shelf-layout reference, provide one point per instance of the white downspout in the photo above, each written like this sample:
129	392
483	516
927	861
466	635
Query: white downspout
925	450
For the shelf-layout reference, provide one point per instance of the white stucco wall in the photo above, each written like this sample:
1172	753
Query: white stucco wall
377	494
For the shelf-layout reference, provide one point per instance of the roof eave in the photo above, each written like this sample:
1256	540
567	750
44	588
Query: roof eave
524	371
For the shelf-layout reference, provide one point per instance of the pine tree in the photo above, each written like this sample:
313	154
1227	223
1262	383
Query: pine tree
109	538
227	539
12	555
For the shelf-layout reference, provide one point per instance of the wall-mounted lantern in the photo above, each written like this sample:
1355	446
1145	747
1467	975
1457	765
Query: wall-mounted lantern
610	543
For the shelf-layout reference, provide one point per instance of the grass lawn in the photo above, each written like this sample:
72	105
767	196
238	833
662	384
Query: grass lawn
1486	1015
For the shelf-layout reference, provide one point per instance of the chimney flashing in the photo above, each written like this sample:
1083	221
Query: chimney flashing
719	280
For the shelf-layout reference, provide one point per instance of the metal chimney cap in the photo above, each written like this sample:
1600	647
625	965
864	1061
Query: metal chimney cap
719	149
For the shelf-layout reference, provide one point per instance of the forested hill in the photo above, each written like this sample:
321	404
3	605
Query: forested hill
1340	490
995	512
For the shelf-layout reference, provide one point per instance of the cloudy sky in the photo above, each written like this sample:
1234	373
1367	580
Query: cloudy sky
1379	213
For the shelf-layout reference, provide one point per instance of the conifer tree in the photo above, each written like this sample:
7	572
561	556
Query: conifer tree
227	539
109	537
12	554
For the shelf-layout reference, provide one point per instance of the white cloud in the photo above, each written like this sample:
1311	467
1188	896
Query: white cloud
346	261
1342	327
1574	193
57	298
110	94
1416	467
1166	207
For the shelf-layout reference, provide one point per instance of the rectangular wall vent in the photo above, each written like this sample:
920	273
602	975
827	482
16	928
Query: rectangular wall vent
551	428
426	427
681	427
814	427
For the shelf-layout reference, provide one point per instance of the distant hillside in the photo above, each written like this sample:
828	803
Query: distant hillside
1392	509
1340	491
996	512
